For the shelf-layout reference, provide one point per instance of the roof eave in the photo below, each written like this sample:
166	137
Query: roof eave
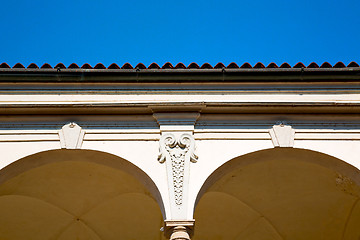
180	75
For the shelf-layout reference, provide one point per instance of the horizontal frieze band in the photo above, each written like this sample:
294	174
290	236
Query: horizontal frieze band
154	135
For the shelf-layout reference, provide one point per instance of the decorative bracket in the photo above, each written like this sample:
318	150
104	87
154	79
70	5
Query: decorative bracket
71	136
178	152
282	135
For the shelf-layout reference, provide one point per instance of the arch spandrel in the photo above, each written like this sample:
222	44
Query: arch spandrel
280	192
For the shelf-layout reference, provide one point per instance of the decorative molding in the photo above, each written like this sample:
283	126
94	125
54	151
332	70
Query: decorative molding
182	118
106	133
282	135
177	151
176	121
71	136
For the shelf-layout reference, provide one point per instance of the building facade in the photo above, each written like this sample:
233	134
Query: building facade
206	153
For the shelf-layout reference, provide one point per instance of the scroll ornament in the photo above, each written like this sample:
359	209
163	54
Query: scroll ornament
177	151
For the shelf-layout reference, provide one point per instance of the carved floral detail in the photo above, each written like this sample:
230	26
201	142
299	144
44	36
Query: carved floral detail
177	150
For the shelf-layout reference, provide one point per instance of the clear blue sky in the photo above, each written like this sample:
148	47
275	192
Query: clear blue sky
179	31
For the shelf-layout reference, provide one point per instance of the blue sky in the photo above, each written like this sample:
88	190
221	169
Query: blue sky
179	31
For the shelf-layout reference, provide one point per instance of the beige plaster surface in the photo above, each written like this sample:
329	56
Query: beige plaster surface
77	200
281	197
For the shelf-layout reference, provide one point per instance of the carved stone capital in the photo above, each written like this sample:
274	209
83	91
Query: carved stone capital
179	230
177	148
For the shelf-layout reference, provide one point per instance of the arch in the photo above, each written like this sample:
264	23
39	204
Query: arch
322	159
93	156
83	193
273	190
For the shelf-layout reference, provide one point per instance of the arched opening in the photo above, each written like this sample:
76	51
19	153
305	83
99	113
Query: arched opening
78	194
282	193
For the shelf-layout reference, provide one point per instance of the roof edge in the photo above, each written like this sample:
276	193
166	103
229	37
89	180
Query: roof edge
179	75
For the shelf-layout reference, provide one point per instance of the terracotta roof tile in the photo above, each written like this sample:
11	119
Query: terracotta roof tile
86	66
99	66
167	66
219	65
140	66
113	66
180	65
339	65
60	66
246	65
193	65
32	65
326	65
285	65
127	66
272	65
46	65
259	65
299	65
313	65
232	65
154	66
18	65
73	65
4	65
206	66
353	64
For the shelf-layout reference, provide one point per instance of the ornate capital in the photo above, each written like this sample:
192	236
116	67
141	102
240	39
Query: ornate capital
177	148
177	151
179	230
